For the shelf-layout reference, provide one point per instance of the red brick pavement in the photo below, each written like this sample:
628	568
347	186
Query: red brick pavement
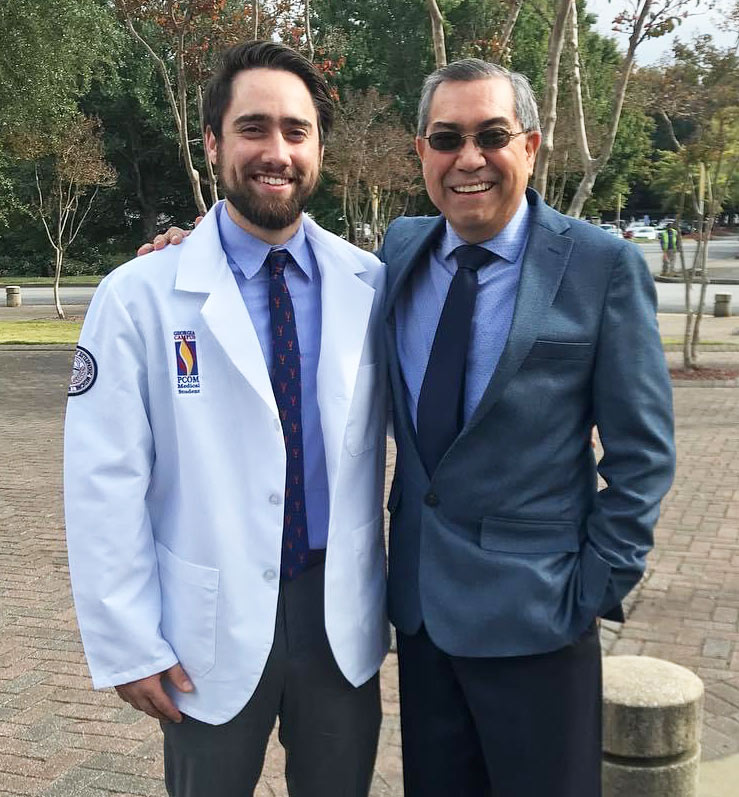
58	738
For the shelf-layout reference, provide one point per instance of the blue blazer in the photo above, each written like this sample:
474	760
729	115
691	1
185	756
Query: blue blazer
508	548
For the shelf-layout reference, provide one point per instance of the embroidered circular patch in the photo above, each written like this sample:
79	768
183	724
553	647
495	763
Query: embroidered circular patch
84	372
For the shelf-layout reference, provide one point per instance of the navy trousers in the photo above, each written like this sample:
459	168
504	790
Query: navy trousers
524	726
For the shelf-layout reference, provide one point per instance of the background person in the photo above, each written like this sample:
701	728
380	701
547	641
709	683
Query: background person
668	241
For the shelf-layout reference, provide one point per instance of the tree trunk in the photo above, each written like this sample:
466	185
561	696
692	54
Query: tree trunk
212	179
510	24
549	106
701	299
57	277
345	208
178	105
308	34
192	173
437	33
593	166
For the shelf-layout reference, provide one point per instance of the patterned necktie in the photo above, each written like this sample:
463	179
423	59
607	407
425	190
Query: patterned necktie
440	414
286	385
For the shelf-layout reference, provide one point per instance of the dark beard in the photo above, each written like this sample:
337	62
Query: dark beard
269	215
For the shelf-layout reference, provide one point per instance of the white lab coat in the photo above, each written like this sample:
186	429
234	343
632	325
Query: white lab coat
174	497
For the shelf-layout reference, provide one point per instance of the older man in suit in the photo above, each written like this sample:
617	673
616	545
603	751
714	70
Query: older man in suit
511	331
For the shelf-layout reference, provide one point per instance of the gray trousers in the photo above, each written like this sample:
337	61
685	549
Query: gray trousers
329	728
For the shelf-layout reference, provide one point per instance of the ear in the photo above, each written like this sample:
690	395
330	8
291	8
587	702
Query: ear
533	142
321	150
211	145
421	145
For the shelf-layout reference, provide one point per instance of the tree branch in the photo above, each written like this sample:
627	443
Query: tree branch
437	33
549	108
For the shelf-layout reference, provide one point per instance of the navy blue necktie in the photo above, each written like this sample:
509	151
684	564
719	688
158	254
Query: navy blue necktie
286	384
440	415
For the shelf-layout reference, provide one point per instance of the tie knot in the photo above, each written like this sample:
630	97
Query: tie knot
473	257
277	259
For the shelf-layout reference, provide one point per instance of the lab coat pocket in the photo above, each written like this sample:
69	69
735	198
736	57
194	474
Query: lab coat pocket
189	610
362	424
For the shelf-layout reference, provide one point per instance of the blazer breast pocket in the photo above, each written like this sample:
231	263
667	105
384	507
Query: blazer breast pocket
560	350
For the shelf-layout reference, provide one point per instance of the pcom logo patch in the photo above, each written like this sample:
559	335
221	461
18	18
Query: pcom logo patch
84	372
186	354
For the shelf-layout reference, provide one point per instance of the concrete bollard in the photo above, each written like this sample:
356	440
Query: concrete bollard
652	712
12	296
722	305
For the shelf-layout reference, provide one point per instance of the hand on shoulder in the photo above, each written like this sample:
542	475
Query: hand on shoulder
174	236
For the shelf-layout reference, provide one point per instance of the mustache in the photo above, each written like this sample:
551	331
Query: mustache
288	173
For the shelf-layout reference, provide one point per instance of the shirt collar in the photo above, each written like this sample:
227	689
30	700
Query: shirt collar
249	252
507	244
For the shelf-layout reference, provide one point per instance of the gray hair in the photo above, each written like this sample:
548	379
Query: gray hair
469	69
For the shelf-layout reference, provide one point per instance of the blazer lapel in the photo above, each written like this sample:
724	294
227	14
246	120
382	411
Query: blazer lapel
203	269
544	263
346	306
410	245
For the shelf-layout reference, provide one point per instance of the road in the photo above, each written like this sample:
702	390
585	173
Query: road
671	297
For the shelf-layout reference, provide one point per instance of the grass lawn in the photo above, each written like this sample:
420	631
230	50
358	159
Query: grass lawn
47	282
39	332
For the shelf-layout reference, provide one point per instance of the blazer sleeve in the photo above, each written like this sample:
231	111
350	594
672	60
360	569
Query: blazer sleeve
632	400
108	457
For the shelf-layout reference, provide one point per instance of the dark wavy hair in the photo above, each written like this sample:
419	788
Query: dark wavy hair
264	55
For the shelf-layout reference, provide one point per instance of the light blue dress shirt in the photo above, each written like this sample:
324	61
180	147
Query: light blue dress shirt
246	255
419	306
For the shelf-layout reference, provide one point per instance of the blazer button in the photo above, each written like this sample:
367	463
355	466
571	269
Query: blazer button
431	499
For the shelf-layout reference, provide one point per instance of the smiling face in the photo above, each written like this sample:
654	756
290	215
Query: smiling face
269	153
478	191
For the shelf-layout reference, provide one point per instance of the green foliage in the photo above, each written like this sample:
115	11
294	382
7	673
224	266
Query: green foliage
387	46
49	56
141	143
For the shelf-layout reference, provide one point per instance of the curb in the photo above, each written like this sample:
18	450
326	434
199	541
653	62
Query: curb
37	347
705	382
681	281
704	348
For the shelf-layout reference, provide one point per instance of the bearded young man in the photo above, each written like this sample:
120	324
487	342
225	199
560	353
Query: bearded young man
224	463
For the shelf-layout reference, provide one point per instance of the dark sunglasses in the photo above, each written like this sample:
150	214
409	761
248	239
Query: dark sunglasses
492	138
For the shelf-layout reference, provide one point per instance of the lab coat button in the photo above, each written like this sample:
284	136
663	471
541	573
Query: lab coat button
269	575
275	499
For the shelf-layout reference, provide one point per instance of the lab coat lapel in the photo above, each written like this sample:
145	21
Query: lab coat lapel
346	305
203	269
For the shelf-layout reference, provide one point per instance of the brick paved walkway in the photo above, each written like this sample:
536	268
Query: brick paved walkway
60	739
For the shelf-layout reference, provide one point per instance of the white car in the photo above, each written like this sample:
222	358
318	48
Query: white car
645	233
612	229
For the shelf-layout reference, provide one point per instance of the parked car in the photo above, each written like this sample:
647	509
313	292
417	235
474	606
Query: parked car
612	229
645	233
